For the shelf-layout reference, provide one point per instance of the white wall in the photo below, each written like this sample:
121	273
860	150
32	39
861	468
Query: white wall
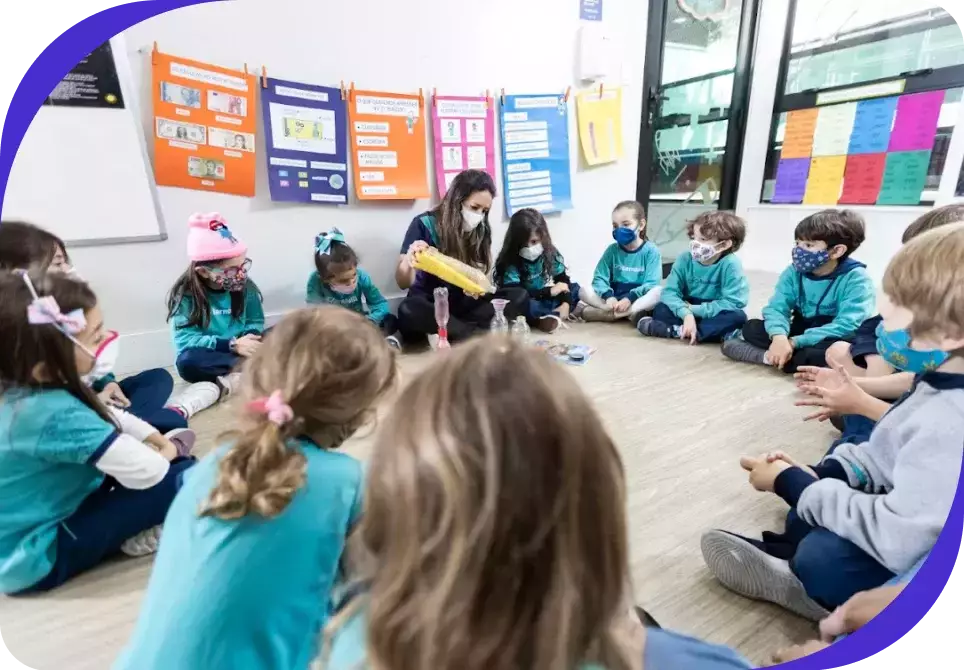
460	48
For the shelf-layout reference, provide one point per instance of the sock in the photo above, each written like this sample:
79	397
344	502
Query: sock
179	410
766	358
676	331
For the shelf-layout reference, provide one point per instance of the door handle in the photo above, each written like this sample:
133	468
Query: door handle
655	104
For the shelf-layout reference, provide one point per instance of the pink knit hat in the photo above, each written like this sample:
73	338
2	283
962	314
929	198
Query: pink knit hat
210	239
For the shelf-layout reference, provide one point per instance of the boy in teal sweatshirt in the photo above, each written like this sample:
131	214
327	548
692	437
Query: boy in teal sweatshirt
706	290
822	298
337	280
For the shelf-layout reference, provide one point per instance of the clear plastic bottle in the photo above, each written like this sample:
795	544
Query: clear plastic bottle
442	316
499	323
520	329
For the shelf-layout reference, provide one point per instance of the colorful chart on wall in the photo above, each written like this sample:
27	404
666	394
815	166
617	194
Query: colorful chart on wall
306	142
388	146
464	130
535	153
600	125
204	126
868	152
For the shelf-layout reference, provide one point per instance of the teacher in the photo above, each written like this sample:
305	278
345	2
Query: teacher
457	227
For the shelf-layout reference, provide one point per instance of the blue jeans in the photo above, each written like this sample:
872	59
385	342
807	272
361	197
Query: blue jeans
713	329
148	392
205	365
857	429
107	517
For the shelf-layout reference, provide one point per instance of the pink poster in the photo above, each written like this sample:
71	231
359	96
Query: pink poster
916	122
464	129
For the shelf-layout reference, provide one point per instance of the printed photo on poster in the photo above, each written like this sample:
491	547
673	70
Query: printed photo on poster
476	158
205	168
227	103
451	131
182	96
475	131
453	158
295	128
230	139
463	136
178	130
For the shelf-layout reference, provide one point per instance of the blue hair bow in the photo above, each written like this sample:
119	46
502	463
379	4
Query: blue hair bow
323	241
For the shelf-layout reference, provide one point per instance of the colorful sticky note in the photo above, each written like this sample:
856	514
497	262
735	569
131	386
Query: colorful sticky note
862	178
791	182
826	176
832	133
798	135
872	124
905	174
916	121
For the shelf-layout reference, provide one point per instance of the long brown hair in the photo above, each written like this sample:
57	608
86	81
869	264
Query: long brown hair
192	286
331	366
496	517
27	247
474	248
522	225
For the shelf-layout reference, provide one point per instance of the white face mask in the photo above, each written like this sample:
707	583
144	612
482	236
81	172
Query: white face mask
104	358
471	220
702	251
531	253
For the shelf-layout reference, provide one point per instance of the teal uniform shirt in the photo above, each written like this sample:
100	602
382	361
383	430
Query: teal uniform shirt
628	274
50	442
222	327
846	296
533	276
721	287
366	299
248	593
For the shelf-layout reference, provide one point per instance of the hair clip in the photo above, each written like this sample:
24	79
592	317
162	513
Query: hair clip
274	407
323	241
45	310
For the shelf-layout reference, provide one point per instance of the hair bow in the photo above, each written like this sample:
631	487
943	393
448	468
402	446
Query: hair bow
274	407
323	241
46	310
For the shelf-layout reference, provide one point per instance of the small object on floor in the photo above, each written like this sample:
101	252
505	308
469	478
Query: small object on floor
183	439
394	343
740	350
195	398
645	618
652	328
745	569
230	383
520	329
143	544
571	354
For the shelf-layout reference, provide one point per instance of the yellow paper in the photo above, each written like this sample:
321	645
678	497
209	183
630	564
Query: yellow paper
825	179
600	125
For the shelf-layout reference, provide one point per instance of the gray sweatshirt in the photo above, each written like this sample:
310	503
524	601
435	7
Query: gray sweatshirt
891	495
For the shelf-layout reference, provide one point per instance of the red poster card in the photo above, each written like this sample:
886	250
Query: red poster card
862	178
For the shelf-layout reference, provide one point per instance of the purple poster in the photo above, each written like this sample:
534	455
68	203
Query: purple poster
916	122
791	182
306	142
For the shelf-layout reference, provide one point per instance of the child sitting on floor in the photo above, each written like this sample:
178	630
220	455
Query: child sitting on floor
529	260
872	510
214	308
626	283
253	542
822	297
77	485
706	291
337	280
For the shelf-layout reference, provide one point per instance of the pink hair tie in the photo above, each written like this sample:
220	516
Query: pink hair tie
277	411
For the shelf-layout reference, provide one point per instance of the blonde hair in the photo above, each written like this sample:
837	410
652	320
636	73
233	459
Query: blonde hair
495	512
331	366
927	278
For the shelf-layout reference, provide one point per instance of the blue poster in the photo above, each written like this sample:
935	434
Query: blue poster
535	153
306	142
872	124
590	10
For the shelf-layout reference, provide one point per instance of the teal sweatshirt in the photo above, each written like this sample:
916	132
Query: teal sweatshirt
375	307
222	328
533	276
846	296
721	287
628	274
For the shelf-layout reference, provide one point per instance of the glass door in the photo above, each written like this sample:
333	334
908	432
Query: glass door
696	88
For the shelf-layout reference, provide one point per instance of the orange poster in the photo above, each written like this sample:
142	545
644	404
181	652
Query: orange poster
388	146
798	136
204	126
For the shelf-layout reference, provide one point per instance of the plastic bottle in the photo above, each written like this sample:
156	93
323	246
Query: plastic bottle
442	316
520	329
499	323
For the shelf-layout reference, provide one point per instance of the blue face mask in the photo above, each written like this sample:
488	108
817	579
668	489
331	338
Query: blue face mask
894	347
807	261
624	236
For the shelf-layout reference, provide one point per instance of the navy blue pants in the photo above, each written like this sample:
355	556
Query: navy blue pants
713	329
857	429
149	392
754	332
541	308
107	517
389	325
205	365
865	341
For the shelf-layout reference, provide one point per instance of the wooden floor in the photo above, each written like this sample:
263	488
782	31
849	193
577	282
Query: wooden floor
681	415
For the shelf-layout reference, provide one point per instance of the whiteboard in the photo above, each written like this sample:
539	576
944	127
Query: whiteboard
84	173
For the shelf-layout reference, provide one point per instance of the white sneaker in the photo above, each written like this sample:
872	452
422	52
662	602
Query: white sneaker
230	383
394	343
195	398
142	544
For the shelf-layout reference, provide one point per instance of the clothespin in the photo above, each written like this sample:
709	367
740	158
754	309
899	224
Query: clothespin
434	97
264	77
351	92
154	54
487	98
568	91
503	97
601	91
245	69
421	99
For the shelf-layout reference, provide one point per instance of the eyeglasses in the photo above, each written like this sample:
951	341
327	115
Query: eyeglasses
234	271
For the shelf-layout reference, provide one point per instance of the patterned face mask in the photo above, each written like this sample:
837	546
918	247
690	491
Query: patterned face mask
231	279
806	261
701	251
894	347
